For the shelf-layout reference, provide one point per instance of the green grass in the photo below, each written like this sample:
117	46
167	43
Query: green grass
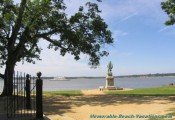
64	93
158	91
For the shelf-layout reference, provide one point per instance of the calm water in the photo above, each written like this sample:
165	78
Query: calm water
76	84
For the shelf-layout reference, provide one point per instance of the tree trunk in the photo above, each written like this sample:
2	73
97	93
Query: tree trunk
8	80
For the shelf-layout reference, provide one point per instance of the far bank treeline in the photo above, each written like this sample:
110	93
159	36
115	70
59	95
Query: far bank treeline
124	76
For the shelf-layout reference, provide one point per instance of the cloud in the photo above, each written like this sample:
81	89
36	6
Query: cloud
117	10
121	10
165	28
53	64
119	33
128	17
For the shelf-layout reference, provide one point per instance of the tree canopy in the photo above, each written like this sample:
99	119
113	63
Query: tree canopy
23	25
169	7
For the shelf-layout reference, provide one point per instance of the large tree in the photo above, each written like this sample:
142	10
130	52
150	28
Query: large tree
169	7
23	25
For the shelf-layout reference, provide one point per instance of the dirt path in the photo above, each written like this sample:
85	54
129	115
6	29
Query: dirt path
92	92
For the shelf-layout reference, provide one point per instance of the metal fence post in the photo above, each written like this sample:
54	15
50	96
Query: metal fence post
28	97
39	97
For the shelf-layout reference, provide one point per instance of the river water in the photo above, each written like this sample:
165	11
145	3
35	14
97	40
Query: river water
77	84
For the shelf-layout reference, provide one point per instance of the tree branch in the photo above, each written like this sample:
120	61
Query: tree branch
18	22
21	45
46	34
53	42
20	49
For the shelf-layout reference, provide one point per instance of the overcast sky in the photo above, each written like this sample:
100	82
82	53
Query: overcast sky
143	44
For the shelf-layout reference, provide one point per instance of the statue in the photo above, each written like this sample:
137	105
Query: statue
110	66
109	78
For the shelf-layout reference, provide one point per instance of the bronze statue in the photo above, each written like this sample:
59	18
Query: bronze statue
110	66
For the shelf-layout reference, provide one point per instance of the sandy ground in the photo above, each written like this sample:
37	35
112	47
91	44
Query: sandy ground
95	102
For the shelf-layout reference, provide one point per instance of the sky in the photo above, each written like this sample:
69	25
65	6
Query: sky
142	43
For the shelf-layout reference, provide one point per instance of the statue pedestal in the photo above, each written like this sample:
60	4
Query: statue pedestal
110	83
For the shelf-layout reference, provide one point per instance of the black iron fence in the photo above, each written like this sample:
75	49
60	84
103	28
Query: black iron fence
26	100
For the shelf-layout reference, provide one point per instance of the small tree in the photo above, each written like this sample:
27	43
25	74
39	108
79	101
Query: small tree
23	25
169	7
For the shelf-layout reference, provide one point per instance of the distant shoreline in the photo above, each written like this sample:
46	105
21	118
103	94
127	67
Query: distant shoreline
122	76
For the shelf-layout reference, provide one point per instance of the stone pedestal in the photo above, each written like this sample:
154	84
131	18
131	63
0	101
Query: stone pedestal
110	83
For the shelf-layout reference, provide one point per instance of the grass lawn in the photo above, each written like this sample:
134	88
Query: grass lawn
157	91
64	93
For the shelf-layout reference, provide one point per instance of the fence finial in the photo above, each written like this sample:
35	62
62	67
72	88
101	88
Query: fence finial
39	74
27	76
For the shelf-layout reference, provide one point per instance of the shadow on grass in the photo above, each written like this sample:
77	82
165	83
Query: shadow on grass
64	93
61	104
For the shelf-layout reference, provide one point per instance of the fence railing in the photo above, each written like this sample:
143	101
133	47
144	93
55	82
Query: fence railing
26	100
